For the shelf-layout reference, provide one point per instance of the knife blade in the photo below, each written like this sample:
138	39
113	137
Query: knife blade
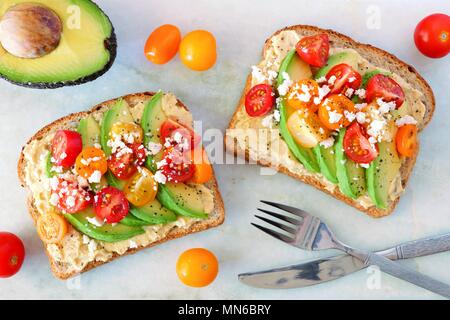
328	269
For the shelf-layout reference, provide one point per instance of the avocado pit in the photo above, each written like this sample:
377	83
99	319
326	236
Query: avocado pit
30	30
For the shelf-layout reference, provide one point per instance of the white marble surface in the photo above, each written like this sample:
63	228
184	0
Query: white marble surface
241	28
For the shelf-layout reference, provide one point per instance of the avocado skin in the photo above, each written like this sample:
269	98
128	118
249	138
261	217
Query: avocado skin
110	45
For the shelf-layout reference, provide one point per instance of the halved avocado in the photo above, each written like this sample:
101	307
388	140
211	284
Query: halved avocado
54	43
89	130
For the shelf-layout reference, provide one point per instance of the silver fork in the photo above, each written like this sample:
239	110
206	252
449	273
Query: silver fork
305	231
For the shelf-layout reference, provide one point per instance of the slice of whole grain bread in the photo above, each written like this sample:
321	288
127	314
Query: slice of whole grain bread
70	122
375	56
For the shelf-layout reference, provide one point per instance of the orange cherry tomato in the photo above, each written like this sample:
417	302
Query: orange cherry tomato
162	44
198	50
52	227
203	169
91	159
332	111
302	94
141	188
306	128
197	267
406	140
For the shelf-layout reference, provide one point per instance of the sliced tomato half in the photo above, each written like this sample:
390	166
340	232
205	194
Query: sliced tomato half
357	146
343	77
178	166
381	86
66	145
111	205
176	133
70	197
259	100
314	49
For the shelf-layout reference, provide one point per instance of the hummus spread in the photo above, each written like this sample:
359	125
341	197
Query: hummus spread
78	250
263	141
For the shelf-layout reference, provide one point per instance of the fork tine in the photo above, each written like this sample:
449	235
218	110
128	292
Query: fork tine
284	227
281	216
296	211
273	233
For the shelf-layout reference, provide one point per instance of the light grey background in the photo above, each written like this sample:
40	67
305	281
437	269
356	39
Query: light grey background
240	28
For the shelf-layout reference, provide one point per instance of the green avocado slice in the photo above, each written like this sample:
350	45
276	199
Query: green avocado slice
107	232
381	173
349	57
327	162
89	130
49	166
350	176
180	199
304	155
153	213
87	47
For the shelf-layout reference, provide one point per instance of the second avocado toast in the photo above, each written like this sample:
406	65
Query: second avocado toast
178	209
316	154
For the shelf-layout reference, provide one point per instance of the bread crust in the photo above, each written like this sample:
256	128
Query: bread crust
374	55
216	218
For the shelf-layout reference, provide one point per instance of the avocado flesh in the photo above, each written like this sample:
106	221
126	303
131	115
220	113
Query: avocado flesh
177	198
349	57
327	162
350	176
89	130
107	232
304	155
153	213
82	55
381	173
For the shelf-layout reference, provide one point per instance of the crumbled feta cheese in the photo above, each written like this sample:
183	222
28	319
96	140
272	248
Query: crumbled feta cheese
332	80
350	116
323	91
54	183
95	177
321	79
351	79
376	127
360	106
276	116
349	92
54	198
95	221
283	88
70	201
272	75
385	107
405	120
327	143
154	148
361	117
258	74
364	165
361	93
160	177
334	116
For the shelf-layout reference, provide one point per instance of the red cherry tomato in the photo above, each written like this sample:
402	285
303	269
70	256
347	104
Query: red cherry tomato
345	77
381	86
259	100
357	146
71	198
169	128
66	146
178	166
123	164
12	254
140	154
314	49
162	44
432	35
111	205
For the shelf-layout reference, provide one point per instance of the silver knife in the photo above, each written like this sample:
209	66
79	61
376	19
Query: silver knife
323	270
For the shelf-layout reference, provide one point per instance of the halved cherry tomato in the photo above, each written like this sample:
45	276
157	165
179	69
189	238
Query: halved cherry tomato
197	267
111	205
406	140
198	50
203	169
302	94
178	166
71	197
381	86
432	35
357	146
333	109
170	128
52	227
344	78
66	145
141	188
123	164
130	132
314	49
259	100
162	44
91	159
12	254
306	128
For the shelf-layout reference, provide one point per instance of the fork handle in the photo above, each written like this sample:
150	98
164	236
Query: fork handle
397	270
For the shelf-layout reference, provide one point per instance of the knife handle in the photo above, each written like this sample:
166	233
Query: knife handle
423	247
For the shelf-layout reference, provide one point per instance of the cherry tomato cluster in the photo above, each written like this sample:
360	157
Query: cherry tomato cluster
197	49
313	112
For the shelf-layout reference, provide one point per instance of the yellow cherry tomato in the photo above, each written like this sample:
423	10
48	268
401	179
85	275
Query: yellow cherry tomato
129	131
141	188
52	227
89	160
197	267
306	128
198	50
162	44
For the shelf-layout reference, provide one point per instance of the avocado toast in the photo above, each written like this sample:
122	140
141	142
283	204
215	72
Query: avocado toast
318	152
180	204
